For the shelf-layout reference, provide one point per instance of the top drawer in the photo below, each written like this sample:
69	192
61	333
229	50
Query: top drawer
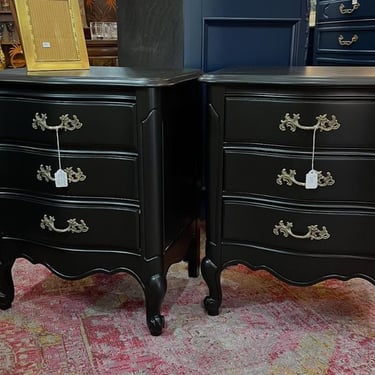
105	125
257	121
344	10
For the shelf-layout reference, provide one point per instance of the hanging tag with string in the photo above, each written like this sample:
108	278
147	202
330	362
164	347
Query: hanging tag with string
61	177
312	175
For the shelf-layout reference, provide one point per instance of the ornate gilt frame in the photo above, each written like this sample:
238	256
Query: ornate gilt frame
52	35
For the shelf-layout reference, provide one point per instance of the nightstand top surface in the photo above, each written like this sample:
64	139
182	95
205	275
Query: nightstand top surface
116	76
294	75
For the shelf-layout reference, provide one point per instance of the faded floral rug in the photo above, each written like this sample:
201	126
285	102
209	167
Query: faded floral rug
97	326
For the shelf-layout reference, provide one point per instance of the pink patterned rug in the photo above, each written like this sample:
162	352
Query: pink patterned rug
97	326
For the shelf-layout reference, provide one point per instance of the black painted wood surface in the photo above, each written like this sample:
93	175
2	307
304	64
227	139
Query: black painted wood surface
139	198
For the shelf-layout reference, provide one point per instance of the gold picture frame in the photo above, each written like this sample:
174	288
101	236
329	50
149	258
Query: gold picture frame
51	34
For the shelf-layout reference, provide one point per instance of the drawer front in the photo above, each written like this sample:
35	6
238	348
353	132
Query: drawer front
103	226
346	39
95	174
340	10
342	178
345	232
339	59
105	125
257	121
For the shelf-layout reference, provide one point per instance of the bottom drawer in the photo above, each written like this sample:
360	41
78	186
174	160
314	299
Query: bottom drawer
347	231
83	225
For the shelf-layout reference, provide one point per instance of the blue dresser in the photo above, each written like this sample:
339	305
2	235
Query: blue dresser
212	34
221	33
345	32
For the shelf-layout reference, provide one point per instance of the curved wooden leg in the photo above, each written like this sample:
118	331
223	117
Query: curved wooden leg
211	275
154	292
6	284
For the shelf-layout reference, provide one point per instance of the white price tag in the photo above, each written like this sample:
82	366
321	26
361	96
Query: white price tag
354	2
61	178
311	179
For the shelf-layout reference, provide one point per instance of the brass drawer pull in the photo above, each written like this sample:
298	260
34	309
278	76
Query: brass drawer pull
289	178
322	123
343	42
48	222
66	123
314	233
44	172
349	10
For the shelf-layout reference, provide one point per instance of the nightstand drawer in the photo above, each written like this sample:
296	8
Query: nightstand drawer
303	230
343	178
291	123
341	10
75	225
89	174
104	125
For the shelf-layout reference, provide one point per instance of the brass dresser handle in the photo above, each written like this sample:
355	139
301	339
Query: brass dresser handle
322	123
45	172
48	222
313	233
349	10
289	178
343	42
66	123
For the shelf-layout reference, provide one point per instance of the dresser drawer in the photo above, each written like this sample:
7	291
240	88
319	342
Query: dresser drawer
105	125
257	121
346	38
344	178
104	226
347	232
339	59
341	10
91	174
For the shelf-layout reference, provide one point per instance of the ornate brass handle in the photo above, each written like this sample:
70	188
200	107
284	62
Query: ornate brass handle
322	123
313	233
289	178
48	222
350	10
65	123
343	42
45	172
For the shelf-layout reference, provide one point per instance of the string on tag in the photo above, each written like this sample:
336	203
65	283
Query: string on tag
311	181
313	149
58	146
61	177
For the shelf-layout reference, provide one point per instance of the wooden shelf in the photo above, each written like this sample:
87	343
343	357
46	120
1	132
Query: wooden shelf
102	52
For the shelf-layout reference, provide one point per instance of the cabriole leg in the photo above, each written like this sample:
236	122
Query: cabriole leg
6	284
211	275
154	294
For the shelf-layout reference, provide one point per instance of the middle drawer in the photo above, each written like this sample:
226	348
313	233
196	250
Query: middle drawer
96	174
343	177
